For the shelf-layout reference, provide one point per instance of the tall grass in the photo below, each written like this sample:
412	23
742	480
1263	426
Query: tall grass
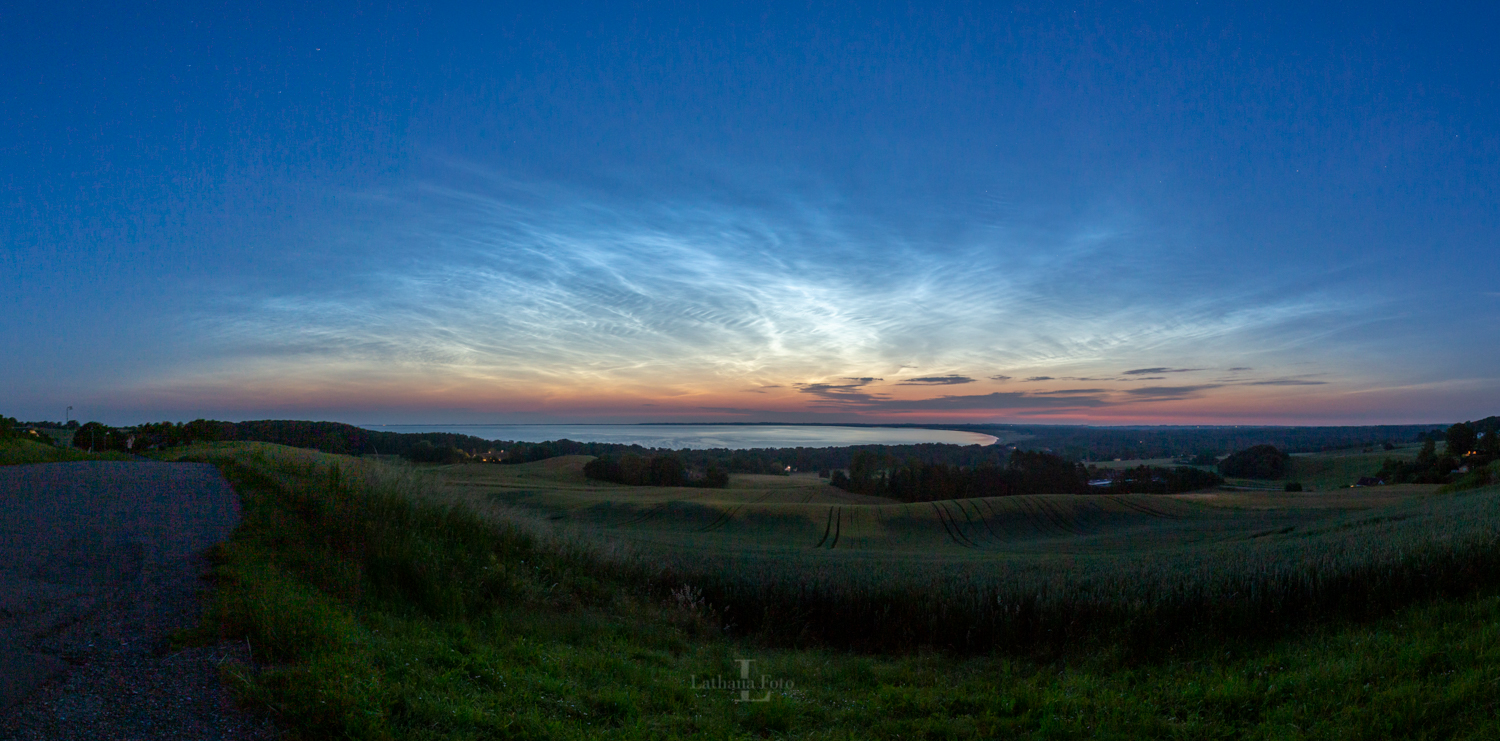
380	606
14	452
1354	567
330	547
382	536
387	537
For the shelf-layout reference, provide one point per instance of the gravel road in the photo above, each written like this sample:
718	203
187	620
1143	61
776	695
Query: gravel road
99	565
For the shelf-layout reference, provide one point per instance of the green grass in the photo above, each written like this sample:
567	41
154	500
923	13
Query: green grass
794	566
1343	468
1317	471
1480	476
19	452
383	606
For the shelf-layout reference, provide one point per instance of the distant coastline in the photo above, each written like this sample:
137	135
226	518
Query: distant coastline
677	436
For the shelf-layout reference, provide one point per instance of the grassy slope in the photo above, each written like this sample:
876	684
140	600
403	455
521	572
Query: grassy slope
345	595
1342	468
813	525
18	452
1316	471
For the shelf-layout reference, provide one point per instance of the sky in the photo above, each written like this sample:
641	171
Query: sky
1112	213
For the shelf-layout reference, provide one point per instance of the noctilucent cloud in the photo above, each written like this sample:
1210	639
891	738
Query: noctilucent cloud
1161	213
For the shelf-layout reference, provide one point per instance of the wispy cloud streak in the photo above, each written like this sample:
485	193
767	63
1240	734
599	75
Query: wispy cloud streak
550	290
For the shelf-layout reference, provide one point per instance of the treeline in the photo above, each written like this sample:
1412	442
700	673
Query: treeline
328	437
656	470
915	480
1256	462
12	429
446	447
1024	472
1469	449
910	471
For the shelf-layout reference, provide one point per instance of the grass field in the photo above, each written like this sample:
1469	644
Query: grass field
1315	471
1342	468
795	558
489	601
793	516
17	452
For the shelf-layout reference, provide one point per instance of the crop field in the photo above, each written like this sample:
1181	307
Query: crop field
380	615
1342	468
793	556
1316	471
1335	499
801	517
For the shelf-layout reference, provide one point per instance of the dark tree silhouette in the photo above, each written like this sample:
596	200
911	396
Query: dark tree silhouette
1258	462
1462	439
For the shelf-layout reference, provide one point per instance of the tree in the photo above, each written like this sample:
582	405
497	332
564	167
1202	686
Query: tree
866	471
1489	445
1257	462
1037	472
657	470
603	469
666	470
208	430
1461	439
425	452
716	478
96	436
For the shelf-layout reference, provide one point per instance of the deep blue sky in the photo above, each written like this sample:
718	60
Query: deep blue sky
619	212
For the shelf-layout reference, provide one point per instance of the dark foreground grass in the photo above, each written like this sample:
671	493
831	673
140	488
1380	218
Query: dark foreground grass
375	613
1247	585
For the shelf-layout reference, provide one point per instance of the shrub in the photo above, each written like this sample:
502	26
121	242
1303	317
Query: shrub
1159	480
656	470
425	452
1258	462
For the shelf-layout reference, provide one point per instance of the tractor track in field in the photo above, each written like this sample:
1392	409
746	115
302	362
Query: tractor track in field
1057	517
1146	510
729	514
950	524
951	528
983	521
833	526
969	526
989	505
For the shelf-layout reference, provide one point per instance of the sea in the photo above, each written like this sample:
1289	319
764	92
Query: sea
700	437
